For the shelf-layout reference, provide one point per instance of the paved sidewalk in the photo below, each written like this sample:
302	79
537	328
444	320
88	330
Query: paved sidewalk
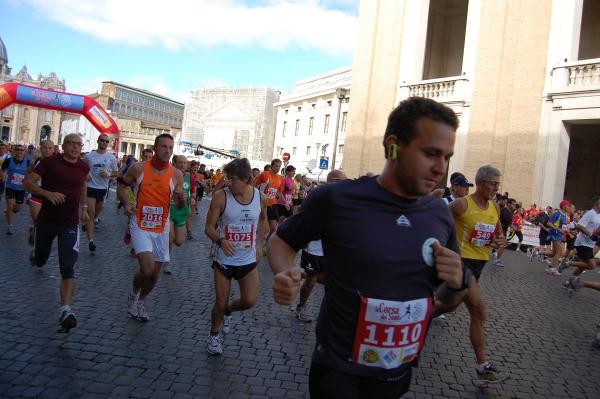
535	330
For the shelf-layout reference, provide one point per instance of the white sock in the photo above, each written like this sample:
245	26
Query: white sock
482	366
66	308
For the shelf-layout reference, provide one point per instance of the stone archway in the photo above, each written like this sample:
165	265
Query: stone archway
45	133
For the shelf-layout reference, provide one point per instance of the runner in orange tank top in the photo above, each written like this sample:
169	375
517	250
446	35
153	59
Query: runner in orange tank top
155	182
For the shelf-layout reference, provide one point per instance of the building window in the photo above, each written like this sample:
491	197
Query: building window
297	127
284	128
318	145
307	150
285	111
340	149
48	116
344	119
314	106
299	109
326	125
311	123
329	103
293	150
124	147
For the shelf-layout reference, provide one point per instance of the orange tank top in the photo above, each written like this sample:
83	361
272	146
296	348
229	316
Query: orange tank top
153	198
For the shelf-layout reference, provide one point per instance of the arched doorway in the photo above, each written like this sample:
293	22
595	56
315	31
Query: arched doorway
45	133
5	133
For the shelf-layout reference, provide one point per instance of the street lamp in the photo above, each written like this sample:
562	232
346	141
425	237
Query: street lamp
340	93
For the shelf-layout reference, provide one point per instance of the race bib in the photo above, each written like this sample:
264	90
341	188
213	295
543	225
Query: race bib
152	217
241	236
390	333
482	234
288	199
271	193
17	178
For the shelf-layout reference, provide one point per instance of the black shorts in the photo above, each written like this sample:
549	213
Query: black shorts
17	195
544	237
312	264
584	253
519	235
235	272
325	382
570	242
272	212
68	247
2	185
297	201
97	193
283	211
476	266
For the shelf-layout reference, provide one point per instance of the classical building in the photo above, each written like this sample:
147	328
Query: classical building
307	119
235	120
523	76
140	115
22	123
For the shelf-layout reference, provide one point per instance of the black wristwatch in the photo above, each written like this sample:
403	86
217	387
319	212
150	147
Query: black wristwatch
218	242
466	280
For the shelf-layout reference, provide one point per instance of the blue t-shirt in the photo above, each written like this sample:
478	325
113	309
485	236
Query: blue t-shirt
557	221
375	245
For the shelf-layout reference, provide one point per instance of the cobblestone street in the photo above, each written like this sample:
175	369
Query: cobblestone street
535	330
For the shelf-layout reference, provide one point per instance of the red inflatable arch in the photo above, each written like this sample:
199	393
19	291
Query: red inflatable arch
17	93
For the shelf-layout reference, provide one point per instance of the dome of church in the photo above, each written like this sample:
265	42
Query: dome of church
3	54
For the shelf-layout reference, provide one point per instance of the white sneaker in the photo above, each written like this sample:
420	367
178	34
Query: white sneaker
213	345
226	324
553	271
142	312
132	307
166	268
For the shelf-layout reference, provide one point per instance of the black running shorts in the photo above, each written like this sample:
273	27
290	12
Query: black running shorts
476	266
235	272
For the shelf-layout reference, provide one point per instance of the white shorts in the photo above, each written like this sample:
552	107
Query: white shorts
147	241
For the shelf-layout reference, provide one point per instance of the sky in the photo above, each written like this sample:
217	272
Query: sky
171	47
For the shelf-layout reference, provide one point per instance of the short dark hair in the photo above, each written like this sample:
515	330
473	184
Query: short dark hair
239	167
289	168
147	150
403	118
275	161
267	167
163	135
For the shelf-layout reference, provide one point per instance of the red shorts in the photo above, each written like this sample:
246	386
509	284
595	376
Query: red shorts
37	200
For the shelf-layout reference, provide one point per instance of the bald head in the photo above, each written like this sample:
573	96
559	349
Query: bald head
335	175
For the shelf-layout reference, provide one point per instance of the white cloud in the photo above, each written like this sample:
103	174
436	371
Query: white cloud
188	24
85	86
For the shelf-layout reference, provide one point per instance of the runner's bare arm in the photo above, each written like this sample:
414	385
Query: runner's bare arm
125	182
178	193
286	282
263	224
458	207
216	208
30	185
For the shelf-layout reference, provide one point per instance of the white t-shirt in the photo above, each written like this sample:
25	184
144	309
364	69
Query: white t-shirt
591	221
97	163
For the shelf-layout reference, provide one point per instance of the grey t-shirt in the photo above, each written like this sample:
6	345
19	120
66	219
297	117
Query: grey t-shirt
97	163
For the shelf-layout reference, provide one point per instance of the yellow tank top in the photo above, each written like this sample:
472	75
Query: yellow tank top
475	230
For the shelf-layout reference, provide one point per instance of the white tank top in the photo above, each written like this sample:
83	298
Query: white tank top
238	224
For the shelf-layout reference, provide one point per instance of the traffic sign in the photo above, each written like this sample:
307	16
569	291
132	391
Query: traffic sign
324	163
285	156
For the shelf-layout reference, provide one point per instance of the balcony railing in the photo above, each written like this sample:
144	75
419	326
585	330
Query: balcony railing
450	89
577	75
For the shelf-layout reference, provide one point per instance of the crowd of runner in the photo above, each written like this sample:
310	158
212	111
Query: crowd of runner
379	299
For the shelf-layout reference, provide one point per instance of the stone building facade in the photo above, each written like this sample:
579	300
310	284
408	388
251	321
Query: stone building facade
22	123
523	77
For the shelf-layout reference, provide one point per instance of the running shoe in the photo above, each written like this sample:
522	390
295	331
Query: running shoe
92	246
553	271
189	236
490	375
564	264
166	269
213	345
66	322
498	263
226	324
132	307
9	230
302	314
142	312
